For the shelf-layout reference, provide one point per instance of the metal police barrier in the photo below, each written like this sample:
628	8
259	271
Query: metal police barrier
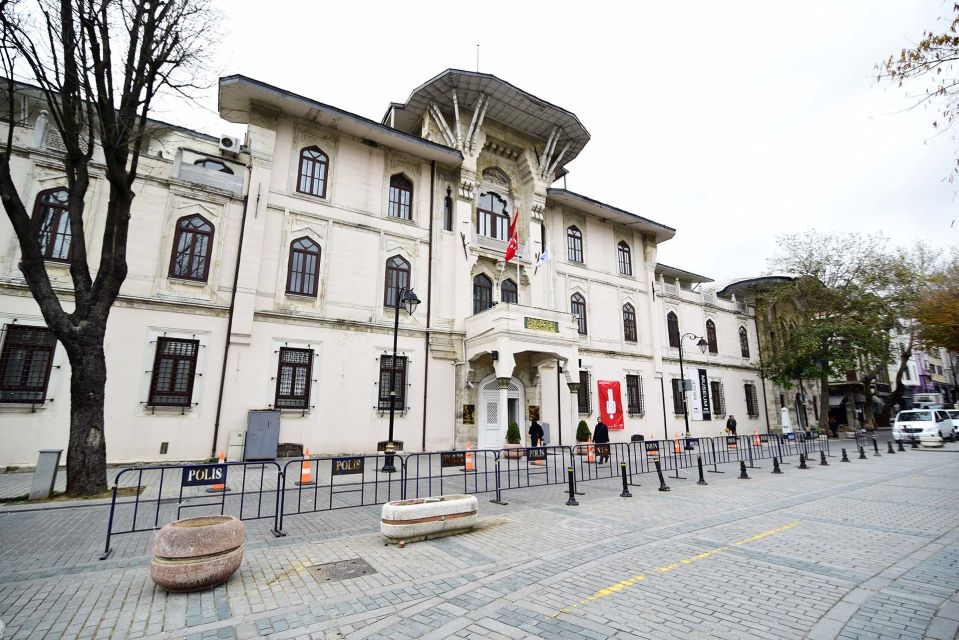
338	482
164	493
437	473
606	458
535	467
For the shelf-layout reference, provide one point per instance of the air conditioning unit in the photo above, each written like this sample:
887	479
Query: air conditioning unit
230	144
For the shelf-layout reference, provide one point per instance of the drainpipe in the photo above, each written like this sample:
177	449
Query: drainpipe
229	322
429	305
559	402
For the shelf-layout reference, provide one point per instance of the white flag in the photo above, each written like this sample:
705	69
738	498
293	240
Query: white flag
543	257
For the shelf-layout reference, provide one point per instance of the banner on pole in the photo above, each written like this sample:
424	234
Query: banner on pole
610	404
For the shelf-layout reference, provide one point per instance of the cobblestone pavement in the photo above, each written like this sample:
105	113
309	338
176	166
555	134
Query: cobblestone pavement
866	549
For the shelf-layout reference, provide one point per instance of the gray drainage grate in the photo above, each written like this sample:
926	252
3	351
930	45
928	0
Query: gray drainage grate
342	570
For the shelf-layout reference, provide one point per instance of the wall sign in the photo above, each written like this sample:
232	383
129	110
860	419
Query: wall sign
204	474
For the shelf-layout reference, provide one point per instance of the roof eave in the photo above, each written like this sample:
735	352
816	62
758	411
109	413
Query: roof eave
682	274
609	212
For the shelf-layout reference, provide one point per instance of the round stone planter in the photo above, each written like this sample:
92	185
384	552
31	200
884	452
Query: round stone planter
197	553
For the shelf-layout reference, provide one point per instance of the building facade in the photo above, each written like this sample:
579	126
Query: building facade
266	275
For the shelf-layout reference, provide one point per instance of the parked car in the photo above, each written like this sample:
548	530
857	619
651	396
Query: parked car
954	420
929	426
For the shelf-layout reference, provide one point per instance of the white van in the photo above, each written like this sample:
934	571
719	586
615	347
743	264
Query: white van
929	426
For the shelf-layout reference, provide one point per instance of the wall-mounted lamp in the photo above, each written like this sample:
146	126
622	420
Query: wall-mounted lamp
495	355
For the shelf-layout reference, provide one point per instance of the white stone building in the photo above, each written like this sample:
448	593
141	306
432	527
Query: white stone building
263	277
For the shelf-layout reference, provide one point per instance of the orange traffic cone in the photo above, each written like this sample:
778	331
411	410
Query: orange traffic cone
469	458
217	488
756	442
306	472
590	457
676	446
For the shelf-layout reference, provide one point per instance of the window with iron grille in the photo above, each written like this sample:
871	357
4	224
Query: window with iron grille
401	197
718	398
51	219
509	293
174	368
293	378
629	322
577	306
634	394
672	328
743	342
574	244
191	248
314	165
395	375
625	259
583	394
711	336
25	364
752	406
678	397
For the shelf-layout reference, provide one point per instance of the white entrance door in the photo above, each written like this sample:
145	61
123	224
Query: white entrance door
494	418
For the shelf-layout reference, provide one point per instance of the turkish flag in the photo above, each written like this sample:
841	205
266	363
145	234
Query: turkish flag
513	244
610	404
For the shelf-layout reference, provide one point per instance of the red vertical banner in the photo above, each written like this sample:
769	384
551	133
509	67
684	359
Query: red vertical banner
610	404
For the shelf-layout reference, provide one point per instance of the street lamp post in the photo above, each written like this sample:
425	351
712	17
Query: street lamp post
702	344
409	300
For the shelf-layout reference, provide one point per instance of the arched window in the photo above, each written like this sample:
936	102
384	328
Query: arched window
51	218
629	322
574	244
492	219
743	342
213	165
401	197
482	293
509	292
314	165
577	306
711	336
304	269
625	260
191	248
672	328
397	279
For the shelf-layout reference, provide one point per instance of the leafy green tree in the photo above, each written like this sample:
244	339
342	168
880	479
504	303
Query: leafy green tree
937	309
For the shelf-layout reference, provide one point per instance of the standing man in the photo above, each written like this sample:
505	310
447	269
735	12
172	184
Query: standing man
535	434
731	424
601	438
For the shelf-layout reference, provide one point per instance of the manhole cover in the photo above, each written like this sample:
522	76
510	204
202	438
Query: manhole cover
342	570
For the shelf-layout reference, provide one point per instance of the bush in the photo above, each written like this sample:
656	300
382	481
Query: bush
583	434
512	433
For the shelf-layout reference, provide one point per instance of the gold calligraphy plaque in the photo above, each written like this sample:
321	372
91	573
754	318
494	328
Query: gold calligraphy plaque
536	324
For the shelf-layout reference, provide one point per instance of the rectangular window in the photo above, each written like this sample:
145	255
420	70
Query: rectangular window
25	364
293	378
678	397
583	394
719	400
634	395
752	406
398	376
174	367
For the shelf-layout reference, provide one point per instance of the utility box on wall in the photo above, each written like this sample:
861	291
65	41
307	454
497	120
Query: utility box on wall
262	435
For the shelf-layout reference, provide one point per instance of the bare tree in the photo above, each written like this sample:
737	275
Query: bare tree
99	65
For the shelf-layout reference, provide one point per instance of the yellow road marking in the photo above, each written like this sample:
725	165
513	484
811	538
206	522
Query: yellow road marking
666	568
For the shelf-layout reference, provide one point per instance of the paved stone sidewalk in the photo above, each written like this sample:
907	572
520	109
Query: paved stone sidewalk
868	549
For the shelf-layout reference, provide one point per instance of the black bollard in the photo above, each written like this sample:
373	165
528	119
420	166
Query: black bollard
845	458
699	463
891	450
899	445
915	442
802	461
659	471
875	447
822	459
622	471
776	468
742	471
862	453
572	489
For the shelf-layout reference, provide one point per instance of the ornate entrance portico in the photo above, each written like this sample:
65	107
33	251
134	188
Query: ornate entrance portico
502	400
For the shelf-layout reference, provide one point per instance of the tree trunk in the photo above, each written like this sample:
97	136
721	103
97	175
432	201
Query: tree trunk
894	398
869	408
87	455
824	403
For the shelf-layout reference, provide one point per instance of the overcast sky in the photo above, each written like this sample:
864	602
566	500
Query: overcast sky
732	122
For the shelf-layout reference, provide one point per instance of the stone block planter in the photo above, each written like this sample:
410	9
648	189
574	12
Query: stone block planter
408	520
197	553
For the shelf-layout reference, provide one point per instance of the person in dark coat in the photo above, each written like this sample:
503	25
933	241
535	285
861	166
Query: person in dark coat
535	434
731	424
601	437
